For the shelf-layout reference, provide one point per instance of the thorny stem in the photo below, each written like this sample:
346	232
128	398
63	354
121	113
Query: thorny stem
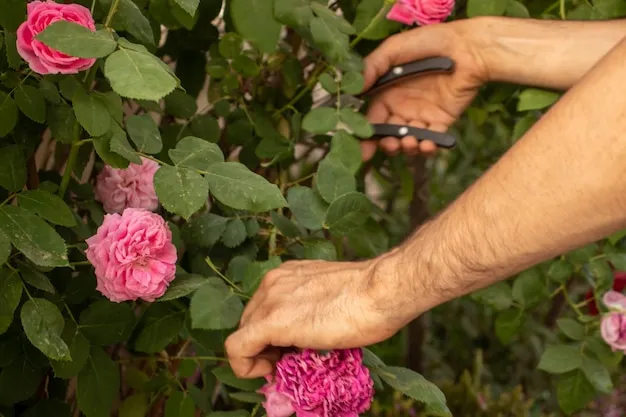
71	161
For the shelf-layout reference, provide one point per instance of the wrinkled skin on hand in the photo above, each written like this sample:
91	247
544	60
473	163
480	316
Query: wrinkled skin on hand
314	304
432	101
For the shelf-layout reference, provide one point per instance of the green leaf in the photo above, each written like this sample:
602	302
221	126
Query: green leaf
574	392
49	407
50	91
144	133
571	328
12	168
205	229
256	271
196	153
76	40
180	405
319	249
320	120
346	150
535	99
182	286
234	185
129	18
498	296
214	306
284	225
5	248
529	288
98	384
33	237
121	146
31	102
79	352
10	296
138	75
247	397
102	145
206	127
293	13
12	14
357	122
135	406
105	323
333	180
618	260
43	325
48	206
234	233
307	206
515	8
334	44
352	82
13	57
601	274
91	113
8	114
616	237
189	6
19	381
230	45
486	7
558	359
35	278
508	324
367	27
347	213
254	20
179	104
159	326
62	123
597	374
225	375
415	386
180	190
560	271
333	19
113	103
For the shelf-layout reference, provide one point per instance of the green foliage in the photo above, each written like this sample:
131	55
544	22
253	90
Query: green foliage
252	175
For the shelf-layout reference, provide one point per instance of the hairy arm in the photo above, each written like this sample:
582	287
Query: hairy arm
543	53
563	185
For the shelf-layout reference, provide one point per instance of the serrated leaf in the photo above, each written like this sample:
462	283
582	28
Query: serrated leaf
180	190
79	352
62	123
31	102
12	168
77	40
256	271
10	296
33	237
498	296
5	248
50	91
346	150
356	122
19	381
334	44
332	18
293	13
254	20
284	225
35	278
348	212
48	206
105	323
43	324
91	113
508	323
307	206
97	384
529	288
571	328
159	326
597	374
234	185
136	405
121	146
102	145
234	234
205	229
319	249
129	18
560	271
574	392
225	375
214	306
189	6
558	359
367	27
8	114
138	75
144	133
179	405
196	153
320	120
182	286
352	82
333	180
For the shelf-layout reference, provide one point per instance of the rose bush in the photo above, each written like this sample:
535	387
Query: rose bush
158	157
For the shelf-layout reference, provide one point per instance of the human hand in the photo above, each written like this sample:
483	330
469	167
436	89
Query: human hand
318	305
432	101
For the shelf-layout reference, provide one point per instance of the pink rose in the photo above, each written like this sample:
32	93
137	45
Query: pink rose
311	384
613	326
133	256
132	187
422	12
41	58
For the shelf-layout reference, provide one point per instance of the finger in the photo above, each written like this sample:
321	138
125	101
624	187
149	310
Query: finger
377	112
424	42
429	147
391	145
244	346
368	149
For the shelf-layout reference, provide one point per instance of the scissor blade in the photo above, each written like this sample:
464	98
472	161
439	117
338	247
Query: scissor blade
344	100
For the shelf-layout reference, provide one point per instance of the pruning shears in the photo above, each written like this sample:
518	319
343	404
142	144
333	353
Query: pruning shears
396	74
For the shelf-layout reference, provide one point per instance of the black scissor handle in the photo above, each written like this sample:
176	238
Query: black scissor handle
442	140
412	69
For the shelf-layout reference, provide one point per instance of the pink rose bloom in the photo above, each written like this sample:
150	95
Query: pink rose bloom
132	187
41	58
422	12
311	384
613	326
133	256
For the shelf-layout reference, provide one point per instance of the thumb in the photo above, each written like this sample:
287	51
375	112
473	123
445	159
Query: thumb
412	45
244	349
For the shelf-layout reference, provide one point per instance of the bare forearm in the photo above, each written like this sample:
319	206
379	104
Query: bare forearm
561	186
544	53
